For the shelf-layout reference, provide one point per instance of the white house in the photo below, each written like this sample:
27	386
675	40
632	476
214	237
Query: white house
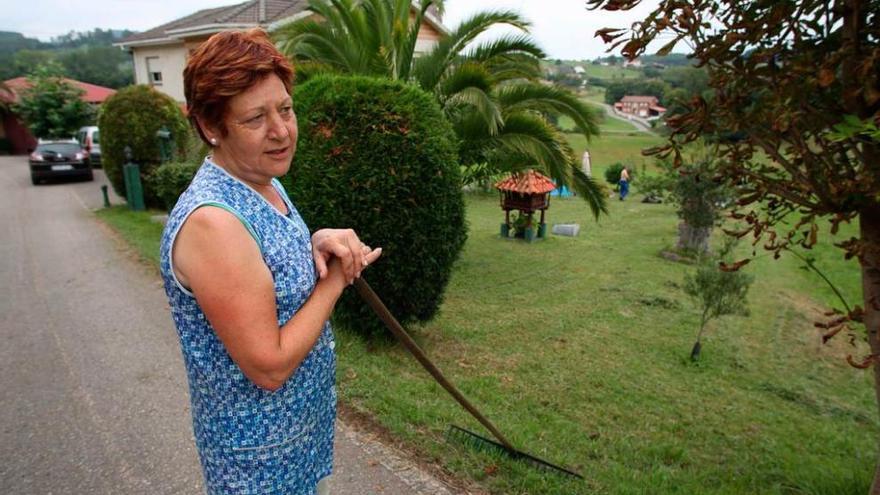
160	53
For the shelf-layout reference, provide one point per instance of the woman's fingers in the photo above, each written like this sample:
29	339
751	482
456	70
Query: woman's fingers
372	256
356	253
345	245
320	263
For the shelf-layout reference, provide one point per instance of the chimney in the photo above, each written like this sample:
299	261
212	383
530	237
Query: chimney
262	5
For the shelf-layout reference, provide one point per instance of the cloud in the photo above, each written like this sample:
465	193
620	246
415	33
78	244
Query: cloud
563	28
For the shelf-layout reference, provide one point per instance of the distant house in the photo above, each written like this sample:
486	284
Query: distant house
579	70
16	132
160	53
640	106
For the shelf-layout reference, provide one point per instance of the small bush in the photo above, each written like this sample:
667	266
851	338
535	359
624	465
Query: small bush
131	118
655	186
612	174
378	156
169	180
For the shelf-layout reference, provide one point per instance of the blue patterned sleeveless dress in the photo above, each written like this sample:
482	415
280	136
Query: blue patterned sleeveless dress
250	440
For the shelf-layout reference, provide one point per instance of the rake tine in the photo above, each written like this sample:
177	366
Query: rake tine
514	453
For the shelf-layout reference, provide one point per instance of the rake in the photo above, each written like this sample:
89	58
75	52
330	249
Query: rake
502	445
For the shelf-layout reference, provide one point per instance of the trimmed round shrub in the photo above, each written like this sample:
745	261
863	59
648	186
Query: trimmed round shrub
169	180
378	156
612	173
131	118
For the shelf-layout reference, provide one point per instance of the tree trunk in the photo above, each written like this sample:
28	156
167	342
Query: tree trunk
693	239
869	221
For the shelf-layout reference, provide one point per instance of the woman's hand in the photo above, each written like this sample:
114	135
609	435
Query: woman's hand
345	245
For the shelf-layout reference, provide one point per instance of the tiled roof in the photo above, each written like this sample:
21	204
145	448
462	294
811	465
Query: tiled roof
639	99
530	182
253	12
93	93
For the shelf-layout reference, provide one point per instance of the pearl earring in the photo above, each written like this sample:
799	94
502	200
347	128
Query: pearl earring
214	141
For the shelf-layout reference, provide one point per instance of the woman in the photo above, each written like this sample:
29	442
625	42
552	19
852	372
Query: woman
250	290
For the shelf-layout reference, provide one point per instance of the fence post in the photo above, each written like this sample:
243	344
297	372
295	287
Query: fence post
134	190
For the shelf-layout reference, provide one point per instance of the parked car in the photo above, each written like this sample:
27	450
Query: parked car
59	159
89	138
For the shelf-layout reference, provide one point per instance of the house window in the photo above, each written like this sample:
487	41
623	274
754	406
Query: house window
154	73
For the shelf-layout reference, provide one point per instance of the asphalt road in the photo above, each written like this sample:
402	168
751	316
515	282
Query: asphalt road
93	395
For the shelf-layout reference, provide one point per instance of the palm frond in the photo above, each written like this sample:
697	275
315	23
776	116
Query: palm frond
408	43
482	106
429	69
553	100
591	191
506	45
514	67
469	74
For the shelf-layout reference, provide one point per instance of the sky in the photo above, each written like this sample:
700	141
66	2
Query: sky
563	28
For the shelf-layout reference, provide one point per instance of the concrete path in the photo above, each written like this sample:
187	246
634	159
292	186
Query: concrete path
93	395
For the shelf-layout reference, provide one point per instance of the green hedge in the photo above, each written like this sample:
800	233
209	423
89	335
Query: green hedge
131	118
169	180
378	156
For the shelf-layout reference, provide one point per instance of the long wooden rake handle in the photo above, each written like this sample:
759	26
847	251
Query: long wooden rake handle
373	300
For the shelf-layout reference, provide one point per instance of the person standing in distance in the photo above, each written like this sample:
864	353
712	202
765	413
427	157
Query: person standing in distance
624	183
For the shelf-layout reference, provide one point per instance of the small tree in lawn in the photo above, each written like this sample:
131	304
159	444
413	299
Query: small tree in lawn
717	292
700	197
52	108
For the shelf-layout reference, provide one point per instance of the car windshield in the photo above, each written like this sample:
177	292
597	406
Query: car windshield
96	137
64	148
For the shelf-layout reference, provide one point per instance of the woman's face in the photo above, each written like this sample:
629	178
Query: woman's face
262	133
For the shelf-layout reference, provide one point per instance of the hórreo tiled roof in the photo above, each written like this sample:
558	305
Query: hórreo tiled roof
529	182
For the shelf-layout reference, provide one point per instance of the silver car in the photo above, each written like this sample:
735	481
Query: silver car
89	138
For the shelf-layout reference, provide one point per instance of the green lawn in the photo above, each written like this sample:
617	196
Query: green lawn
136	228
607	149
595	94
576	348
612	72
607	124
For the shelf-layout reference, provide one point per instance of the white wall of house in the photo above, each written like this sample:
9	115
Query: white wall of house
168	60
424	45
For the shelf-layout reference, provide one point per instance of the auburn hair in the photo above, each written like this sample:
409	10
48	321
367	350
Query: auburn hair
225	65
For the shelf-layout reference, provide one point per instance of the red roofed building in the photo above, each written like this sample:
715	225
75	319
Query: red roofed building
640	106
15	132
94	94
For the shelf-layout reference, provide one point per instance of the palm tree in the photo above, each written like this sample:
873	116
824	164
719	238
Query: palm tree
490	91
372	37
